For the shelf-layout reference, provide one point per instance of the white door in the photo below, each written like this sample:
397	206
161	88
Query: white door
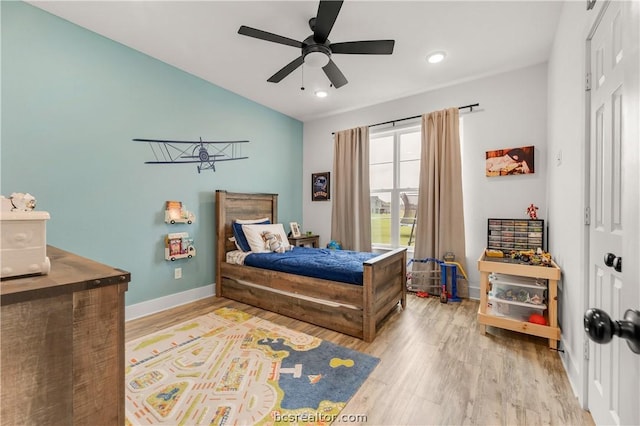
614	370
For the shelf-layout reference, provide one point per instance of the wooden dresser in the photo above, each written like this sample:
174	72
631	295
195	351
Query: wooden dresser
62	344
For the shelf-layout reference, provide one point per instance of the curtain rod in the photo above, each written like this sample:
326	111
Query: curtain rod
471	107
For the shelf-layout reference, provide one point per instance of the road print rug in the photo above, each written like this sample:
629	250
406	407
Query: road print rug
229	367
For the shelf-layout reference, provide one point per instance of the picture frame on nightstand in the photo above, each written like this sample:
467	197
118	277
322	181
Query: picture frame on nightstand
295	230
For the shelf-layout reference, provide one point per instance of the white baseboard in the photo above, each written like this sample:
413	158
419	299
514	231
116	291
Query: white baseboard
576	379
149	307
474	293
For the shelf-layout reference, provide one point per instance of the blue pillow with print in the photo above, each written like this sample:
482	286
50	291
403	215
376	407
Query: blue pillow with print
238	233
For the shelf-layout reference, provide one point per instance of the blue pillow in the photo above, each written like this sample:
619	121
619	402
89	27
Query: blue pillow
241	239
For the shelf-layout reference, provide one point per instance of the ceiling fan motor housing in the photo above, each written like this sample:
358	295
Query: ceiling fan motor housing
315	54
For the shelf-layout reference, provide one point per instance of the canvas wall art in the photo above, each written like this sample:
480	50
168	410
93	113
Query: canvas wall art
510	161
320	186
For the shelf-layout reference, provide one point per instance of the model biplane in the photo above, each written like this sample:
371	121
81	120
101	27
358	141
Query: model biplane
203	153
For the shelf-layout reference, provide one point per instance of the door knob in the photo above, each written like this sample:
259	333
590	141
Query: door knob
617	264
614	261
601	328
609	258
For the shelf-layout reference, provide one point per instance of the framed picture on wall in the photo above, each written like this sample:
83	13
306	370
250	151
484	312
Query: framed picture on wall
320	186
510	161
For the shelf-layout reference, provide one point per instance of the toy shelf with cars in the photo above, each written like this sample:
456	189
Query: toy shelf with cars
519	297
179	245
176	213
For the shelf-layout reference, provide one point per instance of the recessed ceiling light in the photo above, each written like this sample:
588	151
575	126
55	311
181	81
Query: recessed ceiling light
321	93
436	57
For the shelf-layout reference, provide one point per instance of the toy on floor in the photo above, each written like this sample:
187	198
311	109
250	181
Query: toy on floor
537	319
443	294
334	245
446	268
420	282
455	267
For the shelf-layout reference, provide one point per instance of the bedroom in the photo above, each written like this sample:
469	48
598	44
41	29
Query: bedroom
89	96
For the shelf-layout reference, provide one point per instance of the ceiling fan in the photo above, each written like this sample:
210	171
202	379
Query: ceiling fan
317	49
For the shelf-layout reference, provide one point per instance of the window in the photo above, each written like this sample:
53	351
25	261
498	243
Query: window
394	162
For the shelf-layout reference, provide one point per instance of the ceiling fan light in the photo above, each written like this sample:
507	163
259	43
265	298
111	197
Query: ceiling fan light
436	57
316	59
321	93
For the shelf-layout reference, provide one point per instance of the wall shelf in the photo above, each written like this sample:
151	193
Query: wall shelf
178	245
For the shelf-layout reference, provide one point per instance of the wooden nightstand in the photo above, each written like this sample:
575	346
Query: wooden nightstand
305	240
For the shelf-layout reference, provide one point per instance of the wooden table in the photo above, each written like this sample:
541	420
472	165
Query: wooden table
63	344
312	240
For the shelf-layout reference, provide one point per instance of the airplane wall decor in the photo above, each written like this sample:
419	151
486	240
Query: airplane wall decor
186	152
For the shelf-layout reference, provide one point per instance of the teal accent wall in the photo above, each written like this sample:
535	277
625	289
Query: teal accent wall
72	101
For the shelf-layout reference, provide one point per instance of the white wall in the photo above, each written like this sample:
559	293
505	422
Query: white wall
513	113
542	105
566	181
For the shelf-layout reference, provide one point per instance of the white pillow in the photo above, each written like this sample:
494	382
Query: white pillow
256	239
234	241
238	233
247	221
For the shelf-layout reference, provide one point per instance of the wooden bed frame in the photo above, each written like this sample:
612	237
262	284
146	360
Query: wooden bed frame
346	308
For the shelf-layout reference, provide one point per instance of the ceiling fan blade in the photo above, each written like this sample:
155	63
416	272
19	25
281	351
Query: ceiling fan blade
263	35
286	70
335	75
370	47
327	13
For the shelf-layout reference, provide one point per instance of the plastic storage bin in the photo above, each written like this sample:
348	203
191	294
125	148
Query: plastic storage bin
515	234
513	310
518	289
24	243
517	297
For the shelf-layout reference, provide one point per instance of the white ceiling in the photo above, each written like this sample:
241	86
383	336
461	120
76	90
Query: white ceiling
200	37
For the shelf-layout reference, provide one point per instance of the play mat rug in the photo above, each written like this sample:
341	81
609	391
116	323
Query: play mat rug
228	367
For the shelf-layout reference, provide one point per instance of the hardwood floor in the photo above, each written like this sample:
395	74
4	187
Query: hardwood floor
436	368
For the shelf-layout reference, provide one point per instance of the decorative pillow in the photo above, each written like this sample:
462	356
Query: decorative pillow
233	240
256	239
252	221
275	243
238	233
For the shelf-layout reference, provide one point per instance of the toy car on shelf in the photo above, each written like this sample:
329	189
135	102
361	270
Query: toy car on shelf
179	246
176	213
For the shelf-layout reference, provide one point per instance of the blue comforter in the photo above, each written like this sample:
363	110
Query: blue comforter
335	265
